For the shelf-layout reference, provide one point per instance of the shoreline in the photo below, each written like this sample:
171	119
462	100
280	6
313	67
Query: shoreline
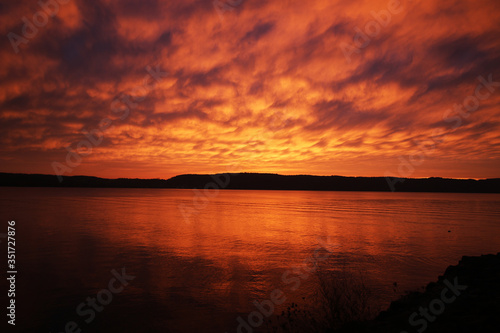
263	181
466	298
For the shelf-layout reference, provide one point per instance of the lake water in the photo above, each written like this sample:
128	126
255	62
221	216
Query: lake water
200	274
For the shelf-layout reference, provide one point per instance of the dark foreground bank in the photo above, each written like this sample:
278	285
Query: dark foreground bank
465	299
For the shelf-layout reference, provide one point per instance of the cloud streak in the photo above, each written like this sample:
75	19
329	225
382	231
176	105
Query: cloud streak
267	88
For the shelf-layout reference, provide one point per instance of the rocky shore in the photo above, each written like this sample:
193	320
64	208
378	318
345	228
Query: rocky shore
466	298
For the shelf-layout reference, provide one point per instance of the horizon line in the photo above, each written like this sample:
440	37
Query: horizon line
246	172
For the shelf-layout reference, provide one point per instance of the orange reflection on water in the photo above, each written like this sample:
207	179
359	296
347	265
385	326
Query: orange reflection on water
241	245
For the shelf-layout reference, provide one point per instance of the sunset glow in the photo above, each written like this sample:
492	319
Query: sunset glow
354	88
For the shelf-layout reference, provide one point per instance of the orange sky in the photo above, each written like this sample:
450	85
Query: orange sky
355	88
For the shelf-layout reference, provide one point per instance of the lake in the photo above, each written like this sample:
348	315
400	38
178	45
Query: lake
157	261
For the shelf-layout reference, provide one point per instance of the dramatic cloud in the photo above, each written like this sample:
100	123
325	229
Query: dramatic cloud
157	88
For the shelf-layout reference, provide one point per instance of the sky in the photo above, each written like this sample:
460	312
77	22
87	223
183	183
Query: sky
152	89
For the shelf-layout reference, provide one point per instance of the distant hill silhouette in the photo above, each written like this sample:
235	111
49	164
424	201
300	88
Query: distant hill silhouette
262	181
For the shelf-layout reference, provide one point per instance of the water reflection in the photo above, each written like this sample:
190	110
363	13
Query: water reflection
200	276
